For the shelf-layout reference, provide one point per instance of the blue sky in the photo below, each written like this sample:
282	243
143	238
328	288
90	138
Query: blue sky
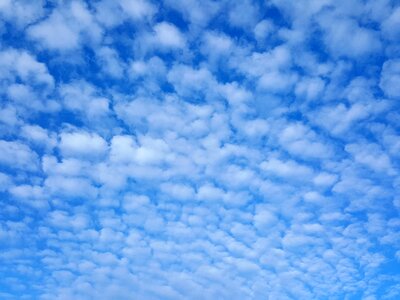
199	149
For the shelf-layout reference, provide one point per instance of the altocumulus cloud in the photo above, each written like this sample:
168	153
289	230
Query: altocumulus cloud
199	149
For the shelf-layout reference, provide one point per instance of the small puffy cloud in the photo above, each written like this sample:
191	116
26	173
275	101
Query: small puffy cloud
151	151
235	94
191	83
21	12
300	140
310	88
138	9
110	13
83	98
370	155
313	197
243	14
277	82
62	219
217	47
390	78
38	136
110	62
132	203
286	169
48	33
146	151
167	35
337	119
74	22
122	149
24	66
70	187
198	13
67	167
390	26
5	182
264	219
177	191
82	144
15	154
263	29
324	179
209	192
349	39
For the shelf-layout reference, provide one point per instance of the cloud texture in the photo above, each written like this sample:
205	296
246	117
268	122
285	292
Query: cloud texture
199	149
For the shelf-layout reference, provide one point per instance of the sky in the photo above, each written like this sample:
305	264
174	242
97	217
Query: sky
199	149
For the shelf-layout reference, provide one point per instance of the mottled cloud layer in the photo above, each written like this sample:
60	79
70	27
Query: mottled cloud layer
199	149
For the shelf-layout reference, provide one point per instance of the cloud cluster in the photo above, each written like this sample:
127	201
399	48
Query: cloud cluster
199	149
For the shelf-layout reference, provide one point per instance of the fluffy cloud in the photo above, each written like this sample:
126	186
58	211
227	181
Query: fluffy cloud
82	144
390	78
169	36
15	154
74	23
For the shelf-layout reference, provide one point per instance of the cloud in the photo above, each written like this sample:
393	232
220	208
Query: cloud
289	169
300	140
15	154
49	31
138	9
191	83
199	149
74	22
198	13
23	66
168	35
362	41
82	144
390	78
371	156
21	13
390	26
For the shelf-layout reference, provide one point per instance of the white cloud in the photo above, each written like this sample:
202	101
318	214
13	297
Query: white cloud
74	22
325	179
70	187
310	88
347	38
82	144
243	14
390	78
15	154
49	31
83	98
300	140
192	83
286	169
370	155
277	82
198	13
21	13
38	136
263	29
209	192
180	192
138	9
24	66
390	26
5	182
122	149
168	35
